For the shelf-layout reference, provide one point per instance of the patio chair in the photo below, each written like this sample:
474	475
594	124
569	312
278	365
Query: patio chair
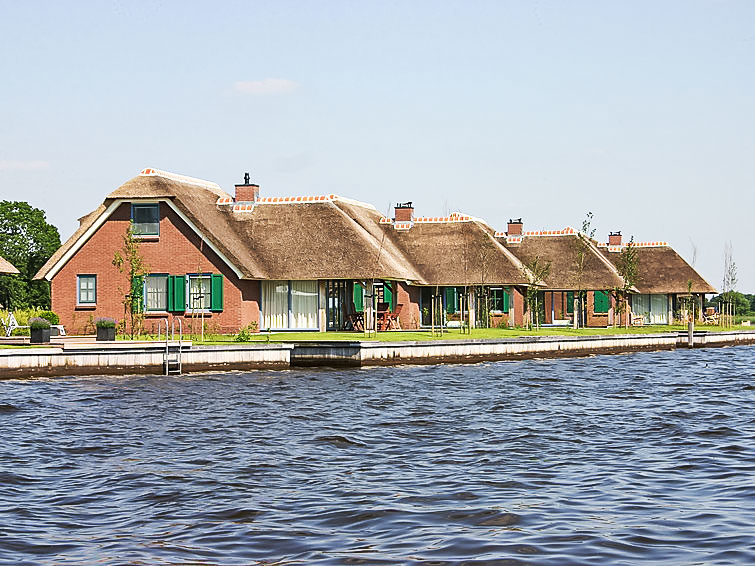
393	318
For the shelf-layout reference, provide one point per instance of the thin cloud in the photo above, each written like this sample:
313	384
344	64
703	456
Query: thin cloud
266	87
9	165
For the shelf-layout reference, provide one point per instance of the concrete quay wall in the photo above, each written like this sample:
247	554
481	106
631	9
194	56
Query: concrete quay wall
139	360
147	358
356	354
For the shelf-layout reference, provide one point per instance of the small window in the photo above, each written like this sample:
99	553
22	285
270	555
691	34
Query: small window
86	288
499	300
156	292
146	219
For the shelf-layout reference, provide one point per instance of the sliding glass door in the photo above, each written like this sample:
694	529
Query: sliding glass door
289	305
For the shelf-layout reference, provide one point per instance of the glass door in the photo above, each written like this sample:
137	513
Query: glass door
335	291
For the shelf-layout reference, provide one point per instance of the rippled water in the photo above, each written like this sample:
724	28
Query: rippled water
637	459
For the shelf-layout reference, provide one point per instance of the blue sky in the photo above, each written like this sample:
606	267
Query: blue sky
641	112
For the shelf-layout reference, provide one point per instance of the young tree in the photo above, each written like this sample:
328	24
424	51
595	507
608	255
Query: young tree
27	240
129	260
536	271
581	256
729	283
628	268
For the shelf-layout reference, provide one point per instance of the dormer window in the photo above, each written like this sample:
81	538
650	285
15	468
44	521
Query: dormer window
146	218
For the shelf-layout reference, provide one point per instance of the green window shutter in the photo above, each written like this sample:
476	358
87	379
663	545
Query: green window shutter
358	294
177	288
505	300
388	294
171	295
601	302
570	302
137	293
451	300
216	293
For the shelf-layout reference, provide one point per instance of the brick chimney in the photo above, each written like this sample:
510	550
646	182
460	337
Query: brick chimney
614	238
515	227
404	212
248	192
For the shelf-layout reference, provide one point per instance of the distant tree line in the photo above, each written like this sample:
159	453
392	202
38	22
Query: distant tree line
744	302
27	240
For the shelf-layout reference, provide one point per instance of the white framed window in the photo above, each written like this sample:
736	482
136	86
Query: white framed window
288	305
199	292
86	289
156	292
146	218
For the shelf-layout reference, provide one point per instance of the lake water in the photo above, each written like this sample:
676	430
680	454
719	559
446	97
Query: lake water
644	458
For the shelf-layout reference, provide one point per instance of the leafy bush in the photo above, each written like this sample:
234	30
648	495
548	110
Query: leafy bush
105	322
245	334
38	323
50	316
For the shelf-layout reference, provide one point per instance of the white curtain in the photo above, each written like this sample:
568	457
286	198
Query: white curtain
641	307
304	304
157	293
274	304
658	309
653	308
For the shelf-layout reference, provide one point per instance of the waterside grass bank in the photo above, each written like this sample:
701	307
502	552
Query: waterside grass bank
77	356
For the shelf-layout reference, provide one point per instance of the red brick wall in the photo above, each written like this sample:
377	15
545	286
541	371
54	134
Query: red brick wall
555	301
595	319
408	296
518	297
177	251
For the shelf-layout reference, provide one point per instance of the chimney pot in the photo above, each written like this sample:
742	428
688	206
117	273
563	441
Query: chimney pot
248	192
515	227
614	238
404	212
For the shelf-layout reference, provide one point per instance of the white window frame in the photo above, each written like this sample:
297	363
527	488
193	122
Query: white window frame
163	276
134	206
79	278
195	276
289	312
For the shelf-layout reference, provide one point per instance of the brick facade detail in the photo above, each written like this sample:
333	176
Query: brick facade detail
177	251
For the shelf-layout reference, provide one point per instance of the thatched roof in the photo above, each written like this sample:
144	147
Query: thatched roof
331	238
7	267
458	253
561	251
663	271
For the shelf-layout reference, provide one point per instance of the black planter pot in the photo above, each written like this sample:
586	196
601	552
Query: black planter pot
106	334
40	335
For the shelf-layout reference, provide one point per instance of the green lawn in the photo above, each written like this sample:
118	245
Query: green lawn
454	334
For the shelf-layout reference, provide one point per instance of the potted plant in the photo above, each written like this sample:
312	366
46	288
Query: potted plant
54	321
39	329
105	329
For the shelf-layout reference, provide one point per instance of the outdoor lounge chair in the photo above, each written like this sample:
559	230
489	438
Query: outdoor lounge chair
11	324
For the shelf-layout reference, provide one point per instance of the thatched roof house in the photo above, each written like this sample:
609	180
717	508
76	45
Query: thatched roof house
455	250
7	268
304	262
560	248
661	269
273	238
